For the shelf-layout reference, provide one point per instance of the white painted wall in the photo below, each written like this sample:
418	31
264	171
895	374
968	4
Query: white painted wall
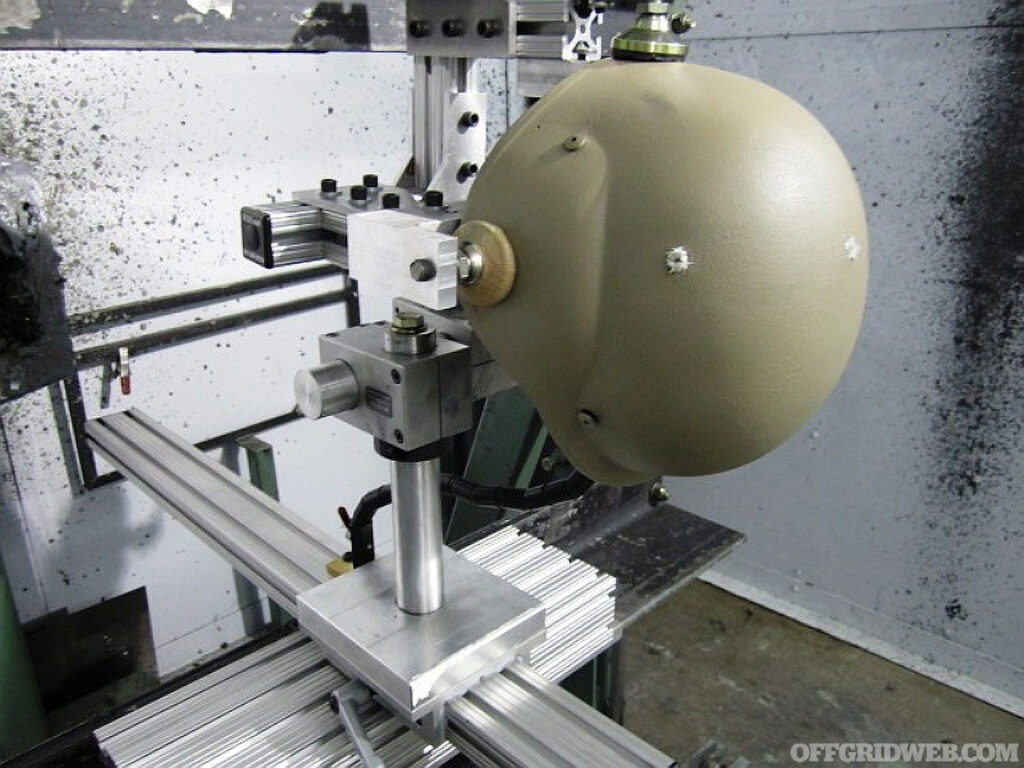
895	517
145	159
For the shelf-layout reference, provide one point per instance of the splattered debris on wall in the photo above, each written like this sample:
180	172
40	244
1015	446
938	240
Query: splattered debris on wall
35	349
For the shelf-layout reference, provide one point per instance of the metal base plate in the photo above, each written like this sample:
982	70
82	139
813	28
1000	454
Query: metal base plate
416	663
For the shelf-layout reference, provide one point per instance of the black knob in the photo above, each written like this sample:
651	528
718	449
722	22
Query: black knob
370	180
453	28
390	200
433	198
489	27
419	28
358	192
329	186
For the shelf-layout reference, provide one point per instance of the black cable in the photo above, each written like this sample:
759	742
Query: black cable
369	504
360	524
515	498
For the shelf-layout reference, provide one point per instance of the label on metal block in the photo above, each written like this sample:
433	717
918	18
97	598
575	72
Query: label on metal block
378	401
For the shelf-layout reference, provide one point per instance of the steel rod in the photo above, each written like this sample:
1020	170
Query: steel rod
416	501
92	356
106	317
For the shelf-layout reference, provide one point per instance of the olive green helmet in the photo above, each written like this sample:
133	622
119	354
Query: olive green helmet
675	266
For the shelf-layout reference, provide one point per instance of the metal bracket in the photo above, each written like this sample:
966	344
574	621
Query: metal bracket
465	147
417	663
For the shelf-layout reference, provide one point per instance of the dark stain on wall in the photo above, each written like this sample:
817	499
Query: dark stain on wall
980	394
19	311
982	420
35	349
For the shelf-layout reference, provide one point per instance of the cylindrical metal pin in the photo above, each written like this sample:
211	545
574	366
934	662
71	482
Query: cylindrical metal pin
416	500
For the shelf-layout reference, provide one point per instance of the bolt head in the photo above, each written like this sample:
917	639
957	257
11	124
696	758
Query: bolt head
682	23
422	270
390	200
658	494
419	27
453	28
586	418
407	322
489	28
653	7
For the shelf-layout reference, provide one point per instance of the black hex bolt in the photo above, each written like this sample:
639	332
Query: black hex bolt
433	198
466	170
358	192
453	28
328	186
390	200
469	119
370	180
489	28
419	28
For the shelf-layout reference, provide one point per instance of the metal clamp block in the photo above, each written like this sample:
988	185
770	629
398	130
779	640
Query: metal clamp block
418	662
384	246
407	400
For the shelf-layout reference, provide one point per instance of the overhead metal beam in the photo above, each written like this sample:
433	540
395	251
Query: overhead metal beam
228	25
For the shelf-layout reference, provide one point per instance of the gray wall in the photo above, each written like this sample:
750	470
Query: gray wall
896	517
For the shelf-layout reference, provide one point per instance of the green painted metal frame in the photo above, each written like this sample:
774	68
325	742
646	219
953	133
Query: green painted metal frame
259	456
22	721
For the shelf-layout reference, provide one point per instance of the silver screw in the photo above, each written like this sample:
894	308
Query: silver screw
658	494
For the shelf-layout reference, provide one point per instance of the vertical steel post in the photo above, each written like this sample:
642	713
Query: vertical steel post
416	501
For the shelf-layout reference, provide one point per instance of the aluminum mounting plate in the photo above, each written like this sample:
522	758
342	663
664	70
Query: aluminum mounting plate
417	663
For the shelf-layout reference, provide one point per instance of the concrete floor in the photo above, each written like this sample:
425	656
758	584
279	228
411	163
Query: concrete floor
707	665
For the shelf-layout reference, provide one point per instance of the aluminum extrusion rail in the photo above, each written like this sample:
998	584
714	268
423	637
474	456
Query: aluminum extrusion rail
271	707
267	542
520	718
